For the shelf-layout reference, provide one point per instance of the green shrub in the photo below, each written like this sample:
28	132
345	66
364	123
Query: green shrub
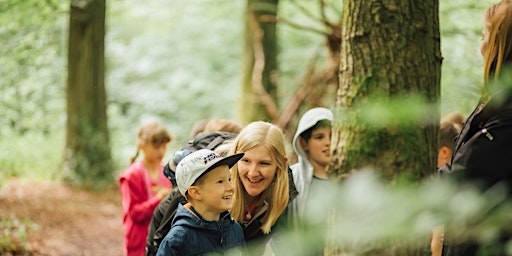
33	155
13	234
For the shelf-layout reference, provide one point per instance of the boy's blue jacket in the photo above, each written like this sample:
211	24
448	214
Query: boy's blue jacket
190	234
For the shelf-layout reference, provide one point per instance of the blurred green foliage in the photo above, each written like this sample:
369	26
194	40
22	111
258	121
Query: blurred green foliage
366	216
13	235
178	62
461	25
30	155
31	66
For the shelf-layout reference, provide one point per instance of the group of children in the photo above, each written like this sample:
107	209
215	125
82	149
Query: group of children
222	203
226	198
232	202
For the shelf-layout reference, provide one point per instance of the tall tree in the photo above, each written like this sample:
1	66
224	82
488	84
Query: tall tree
259	90
390	52
87	156
259	98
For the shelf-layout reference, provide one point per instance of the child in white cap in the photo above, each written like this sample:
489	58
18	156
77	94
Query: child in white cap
204	224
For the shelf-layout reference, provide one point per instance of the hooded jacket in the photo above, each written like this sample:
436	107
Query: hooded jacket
164	213
190	234
139	201
303	170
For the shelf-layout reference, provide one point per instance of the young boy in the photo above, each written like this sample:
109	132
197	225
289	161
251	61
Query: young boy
204	225
312	144
447	134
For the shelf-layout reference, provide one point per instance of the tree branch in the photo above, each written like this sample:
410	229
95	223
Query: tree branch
259	64
299	96
271	18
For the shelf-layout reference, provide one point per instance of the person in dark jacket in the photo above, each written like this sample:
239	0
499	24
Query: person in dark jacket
204	225
483	149
254	234
164	213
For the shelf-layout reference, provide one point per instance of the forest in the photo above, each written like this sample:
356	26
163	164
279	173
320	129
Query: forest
182	61
151	73
161	56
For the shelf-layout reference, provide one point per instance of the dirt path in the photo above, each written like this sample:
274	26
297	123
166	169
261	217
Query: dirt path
60	220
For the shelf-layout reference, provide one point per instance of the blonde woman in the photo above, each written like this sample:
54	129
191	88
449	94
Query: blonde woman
262	182
482	151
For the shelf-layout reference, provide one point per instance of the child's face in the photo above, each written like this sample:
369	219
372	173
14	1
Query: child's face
217	190
444	156
256	170
154	152
319	145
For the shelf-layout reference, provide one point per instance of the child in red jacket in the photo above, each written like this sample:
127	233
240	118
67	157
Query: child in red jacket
143	185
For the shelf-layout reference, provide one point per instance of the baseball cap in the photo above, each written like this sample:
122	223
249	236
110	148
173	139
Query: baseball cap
198	163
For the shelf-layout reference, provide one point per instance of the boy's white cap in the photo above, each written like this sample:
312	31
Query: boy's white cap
197	164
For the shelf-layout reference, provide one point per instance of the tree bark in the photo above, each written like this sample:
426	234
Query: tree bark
87	158
390	50
258	89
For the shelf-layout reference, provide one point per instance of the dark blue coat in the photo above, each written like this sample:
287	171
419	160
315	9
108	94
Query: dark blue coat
190	234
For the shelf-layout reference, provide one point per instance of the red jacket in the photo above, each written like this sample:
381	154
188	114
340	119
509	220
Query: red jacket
139	202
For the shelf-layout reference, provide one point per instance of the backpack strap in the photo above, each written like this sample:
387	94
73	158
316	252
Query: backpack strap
217	141
173	200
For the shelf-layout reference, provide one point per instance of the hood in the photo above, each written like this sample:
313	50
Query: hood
308	120
187	216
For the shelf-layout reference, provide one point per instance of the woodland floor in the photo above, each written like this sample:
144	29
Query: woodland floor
47	218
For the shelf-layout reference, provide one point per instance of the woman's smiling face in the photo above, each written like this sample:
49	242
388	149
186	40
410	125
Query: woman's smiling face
256	170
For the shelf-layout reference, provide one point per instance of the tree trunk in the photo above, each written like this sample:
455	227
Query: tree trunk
390	50
87	157
258	88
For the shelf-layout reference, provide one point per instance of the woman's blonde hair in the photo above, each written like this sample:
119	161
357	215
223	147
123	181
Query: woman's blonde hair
272	138
154	133
498	52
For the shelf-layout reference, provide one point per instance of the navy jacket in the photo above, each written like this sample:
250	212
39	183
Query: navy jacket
190	234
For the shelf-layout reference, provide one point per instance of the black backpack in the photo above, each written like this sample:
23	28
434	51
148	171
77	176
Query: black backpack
203	140
163	215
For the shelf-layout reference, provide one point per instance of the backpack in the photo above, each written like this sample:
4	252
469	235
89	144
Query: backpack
203	140
163	215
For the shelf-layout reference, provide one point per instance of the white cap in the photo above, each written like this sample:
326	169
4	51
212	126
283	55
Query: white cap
197	164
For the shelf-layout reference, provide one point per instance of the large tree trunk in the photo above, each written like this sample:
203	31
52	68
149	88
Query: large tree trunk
258	89
87	156
390	50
